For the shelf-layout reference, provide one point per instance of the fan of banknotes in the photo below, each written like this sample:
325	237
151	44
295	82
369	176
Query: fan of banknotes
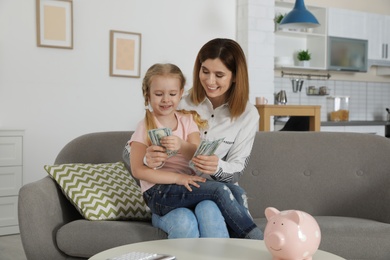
155	136
207	147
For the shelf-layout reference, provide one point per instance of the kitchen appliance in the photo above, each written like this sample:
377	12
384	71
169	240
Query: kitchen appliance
345	54
297	85
281	98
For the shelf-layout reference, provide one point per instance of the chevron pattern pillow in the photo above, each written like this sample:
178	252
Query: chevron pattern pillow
101	191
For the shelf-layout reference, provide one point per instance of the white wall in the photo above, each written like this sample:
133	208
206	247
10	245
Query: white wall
56	95
255	33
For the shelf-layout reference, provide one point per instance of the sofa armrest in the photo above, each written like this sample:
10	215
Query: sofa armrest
42	210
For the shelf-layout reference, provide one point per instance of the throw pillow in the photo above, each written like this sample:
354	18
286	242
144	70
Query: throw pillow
101	191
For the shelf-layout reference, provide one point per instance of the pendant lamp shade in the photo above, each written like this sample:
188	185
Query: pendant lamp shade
299	18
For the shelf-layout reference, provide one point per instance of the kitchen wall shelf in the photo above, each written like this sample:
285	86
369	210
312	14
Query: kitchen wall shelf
289	42
321	91
307	94
333	22
298	34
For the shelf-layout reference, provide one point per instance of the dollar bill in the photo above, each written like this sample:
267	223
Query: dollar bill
207	147
155	136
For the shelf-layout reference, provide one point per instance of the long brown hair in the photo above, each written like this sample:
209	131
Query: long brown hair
171	70
233	57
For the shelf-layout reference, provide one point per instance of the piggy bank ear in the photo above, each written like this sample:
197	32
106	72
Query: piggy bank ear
270	212
295	216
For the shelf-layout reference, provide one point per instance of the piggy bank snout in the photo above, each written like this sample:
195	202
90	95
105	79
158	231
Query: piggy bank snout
275	240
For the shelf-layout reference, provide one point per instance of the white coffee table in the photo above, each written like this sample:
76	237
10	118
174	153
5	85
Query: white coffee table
204	249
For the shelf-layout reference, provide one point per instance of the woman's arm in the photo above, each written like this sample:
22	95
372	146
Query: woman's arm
229	165
232	166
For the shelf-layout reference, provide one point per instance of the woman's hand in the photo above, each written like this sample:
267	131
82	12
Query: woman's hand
171	142
155	156
207	164
187	180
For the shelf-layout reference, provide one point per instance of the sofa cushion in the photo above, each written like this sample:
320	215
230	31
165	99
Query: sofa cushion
354	238
101	191
83	238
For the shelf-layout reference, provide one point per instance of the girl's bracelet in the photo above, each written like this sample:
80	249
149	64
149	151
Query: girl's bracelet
156	168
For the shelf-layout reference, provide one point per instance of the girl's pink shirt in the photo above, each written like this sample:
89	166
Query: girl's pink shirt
178	163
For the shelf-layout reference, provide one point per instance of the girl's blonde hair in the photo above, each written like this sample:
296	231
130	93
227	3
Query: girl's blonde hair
169	70
233	57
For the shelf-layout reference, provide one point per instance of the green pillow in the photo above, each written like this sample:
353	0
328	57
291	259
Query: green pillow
101	191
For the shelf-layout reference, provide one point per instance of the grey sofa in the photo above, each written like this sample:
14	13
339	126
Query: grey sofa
343	179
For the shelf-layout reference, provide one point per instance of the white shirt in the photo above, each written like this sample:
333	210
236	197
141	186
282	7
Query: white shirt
239	136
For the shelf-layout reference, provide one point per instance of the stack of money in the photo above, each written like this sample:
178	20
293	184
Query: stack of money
155	136
207	148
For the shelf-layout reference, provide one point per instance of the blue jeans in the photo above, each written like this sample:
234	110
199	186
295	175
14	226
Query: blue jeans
163	198
205	221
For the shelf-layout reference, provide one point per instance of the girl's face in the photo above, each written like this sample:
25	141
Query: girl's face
165	94
216	80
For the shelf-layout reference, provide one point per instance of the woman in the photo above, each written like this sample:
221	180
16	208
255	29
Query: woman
220	94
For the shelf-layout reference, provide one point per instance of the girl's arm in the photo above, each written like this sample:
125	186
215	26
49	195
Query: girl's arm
187	148
142	172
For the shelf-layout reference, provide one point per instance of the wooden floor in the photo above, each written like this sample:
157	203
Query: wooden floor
11	248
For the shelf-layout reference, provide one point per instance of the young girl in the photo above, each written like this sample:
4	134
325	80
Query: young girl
175	184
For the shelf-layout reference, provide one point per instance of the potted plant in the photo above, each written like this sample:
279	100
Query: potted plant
278	19
304	57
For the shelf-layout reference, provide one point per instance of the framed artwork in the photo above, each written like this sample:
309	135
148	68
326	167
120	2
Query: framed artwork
55	23
125	54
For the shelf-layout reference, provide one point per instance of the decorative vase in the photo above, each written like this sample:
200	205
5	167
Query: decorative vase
304	63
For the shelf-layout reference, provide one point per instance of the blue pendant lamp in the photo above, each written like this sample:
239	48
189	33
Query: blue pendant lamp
299	18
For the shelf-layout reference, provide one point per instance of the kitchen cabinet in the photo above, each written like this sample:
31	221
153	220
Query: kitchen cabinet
347	23
11	172
379	42
375	36
289	42
367	129
378	36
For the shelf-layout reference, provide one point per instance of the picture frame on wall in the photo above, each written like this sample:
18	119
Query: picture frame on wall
125	54
54	23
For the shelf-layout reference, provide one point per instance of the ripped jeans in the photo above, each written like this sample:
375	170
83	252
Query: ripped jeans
162	198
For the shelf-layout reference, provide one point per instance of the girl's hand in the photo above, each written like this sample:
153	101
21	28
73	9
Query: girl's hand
155	156
207	164
187	180
171	142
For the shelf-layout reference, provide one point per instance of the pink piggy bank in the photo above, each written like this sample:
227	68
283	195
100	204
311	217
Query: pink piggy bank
291	234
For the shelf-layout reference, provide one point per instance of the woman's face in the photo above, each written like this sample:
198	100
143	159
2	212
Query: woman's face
216	80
